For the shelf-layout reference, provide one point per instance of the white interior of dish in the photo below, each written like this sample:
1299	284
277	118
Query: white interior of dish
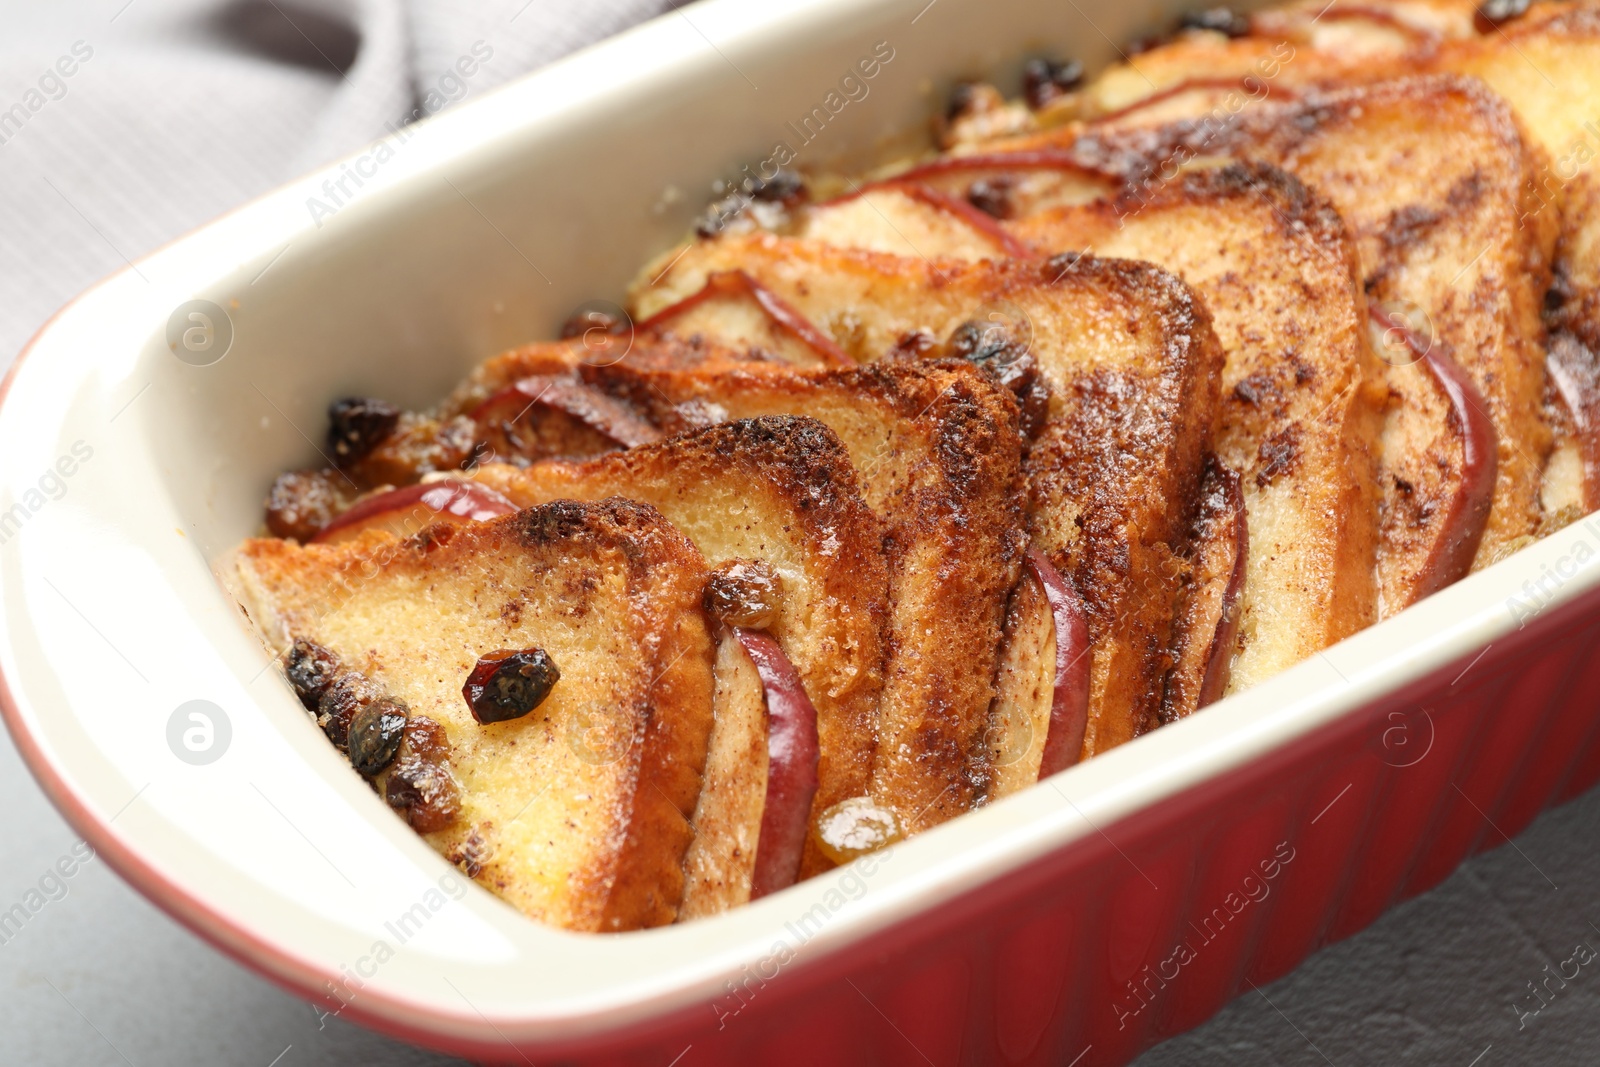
479	230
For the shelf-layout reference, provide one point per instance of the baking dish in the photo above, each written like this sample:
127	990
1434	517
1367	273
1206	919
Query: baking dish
1077	922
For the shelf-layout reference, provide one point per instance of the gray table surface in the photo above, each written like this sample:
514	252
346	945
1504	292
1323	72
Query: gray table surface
190	106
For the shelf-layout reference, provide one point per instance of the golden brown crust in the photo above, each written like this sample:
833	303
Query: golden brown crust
1302	392
1435	180
779	489
1134	368
1208	610
938	453
574	835
1115	476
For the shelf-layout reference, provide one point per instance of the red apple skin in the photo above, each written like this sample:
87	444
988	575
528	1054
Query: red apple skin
1252	85
445	501
1005	242
792	756
780	311
1219	656
1464	522
1069	703
602	413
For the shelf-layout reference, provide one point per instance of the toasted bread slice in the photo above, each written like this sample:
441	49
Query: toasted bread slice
1133	368
1547	67
1435	182
1543	63
938	453
1211	610
576	814
780	490
1303	393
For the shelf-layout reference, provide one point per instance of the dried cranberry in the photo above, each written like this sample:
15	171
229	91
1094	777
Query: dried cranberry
424	792
311	669
742	593
357	425
375	735
1043	80
1492	14
508	684
1222	20
992	196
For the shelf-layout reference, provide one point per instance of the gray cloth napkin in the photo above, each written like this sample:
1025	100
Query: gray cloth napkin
124	123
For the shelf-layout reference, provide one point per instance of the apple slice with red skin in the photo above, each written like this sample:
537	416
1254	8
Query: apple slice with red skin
1207	626
792	755
972	218
1253	85
1069	702
405	511
1019	183
1467	513
736	283
595	421
1041	706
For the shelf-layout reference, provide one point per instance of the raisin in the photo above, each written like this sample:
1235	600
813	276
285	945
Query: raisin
962	99
426	738
993	348
720	213
311	669
301	503
375	735
417	445
1223	20
992	196
742	593
784	187
348	693
1492	14
424	792
854	827
508	684
1043	80
357	425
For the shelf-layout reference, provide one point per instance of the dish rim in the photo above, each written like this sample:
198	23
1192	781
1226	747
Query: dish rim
1447	627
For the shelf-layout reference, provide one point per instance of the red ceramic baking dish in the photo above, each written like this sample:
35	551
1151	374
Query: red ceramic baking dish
1077	922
